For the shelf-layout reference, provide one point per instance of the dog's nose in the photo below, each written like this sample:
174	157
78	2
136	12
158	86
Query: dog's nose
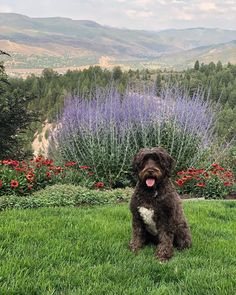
151	171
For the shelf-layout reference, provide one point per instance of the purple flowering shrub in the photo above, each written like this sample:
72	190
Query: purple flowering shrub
106	131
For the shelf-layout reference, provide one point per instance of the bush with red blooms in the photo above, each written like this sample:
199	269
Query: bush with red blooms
212	183
24	177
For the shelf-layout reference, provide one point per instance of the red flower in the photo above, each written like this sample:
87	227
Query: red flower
30	176
214	172
215	165
69	164
207	175
90	173
10	162
99	184
197	178
227	183
57	169
180	172
200	171
38	159
47	162
14	183
0	183
48	174
201	184
84	167
191	170
179	182
228	174
20	169
30	187
184	178
15	163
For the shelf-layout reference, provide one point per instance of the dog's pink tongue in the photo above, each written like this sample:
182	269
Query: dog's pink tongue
150	182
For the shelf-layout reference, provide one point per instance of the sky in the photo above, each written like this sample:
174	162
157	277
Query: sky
134	14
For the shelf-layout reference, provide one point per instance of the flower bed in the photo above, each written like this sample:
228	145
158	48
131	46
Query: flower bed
24	177
214	182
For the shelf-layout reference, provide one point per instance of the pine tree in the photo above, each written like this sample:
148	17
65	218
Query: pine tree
196	66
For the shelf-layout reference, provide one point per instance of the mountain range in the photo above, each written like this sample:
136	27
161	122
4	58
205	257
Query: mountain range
62	43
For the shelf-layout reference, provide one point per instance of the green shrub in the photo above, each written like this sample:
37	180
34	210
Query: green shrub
65	195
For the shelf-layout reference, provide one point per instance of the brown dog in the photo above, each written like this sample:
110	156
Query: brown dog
157	213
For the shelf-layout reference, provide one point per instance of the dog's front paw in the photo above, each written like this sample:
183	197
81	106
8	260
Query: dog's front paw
162	259
163	255
134	247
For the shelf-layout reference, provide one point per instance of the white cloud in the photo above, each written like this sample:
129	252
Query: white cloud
143	2
5	8
140	14
163	2
183	16
207	6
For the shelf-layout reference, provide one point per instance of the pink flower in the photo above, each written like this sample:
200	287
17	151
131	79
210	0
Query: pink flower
84	167
70	164
201	184
180	172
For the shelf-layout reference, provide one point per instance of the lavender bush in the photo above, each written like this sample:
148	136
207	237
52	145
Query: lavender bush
105	132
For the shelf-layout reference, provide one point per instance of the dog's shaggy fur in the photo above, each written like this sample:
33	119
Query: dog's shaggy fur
157	213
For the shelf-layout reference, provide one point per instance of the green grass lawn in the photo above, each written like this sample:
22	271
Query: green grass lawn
84	251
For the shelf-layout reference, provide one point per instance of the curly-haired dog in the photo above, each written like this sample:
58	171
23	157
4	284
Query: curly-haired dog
157	213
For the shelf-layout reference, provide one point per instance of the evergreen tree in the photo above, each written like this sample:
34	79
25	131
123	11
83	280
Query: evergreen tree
219	66
14	119
196	66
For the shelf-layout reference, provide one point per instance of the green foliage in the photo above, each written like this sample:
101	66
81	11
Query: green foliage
15	118
49	90
60	195
227	123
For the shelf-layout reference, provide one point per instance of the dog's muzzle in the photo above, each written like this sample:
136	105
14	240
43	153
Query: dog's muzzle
150	176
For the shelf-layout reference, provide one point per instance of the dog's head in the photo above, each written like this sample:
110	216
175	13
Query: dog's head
152	166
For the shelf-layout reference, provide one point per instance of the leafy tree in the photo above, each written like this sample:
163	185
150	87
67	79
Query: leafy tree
14	118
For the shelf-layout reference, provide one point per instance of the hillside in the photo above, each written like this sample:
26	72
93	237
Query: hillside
37	43
224	52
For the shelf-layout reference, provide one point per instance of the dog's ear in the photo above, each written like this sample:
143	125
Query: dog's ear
137	161
166	161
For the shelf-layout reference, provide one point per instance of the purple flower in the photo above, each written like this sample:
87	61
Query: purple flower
106	131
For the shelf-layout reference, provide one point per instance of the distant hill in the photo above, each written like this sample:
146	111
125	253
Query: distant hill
62	43
225	52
